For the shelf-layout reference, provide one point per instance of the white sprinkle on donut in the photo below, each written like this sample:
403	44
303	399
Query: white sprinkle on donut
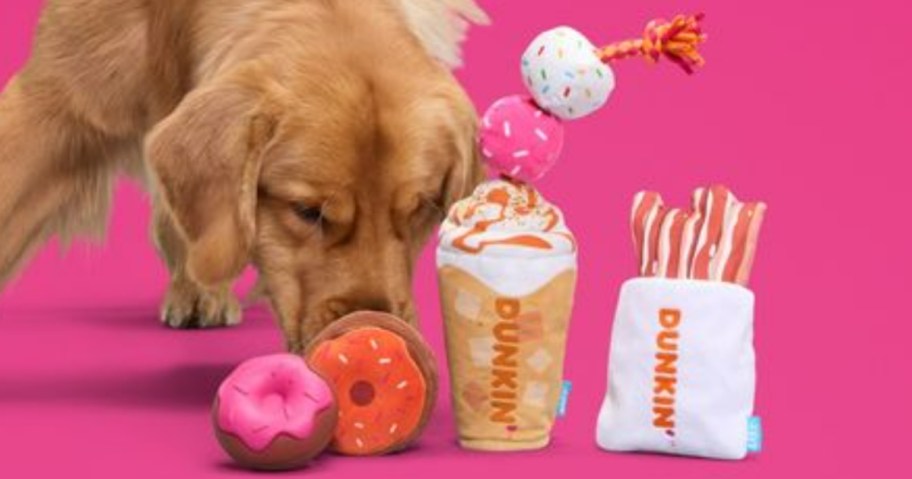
359	425
393	428
343	358
374	345
402	385
385	360
540	134
508	131
520	153
359	442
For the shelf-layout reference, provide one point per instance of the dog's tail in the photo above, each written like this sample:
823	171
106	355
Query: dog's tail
442	25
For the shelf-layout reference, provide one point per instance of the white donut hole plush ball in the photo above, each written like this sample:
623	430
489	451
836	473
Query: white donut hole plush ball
565	75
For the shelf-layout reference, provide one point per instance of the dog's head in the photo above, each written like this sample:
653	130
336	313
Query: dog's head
330	181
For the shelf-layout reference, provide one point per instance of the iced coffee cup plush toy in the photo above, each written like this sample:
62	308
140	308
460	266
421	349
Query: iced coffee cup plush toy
507	269
681	366
507	262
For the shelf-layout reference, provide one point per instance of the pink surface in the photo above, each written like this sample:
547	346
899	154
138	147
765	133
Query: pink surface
519	139
270	395
803	104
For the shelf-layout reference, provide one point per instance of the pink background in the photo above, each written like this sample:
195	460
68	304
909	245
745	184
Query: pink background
803	104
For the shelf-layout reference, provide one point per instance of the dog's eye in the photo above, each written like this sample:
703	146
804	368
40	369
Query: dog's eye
428	211
309	214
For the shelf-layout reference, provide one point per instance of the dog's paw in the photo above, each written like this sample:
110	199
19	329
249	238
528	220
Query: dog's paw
188	307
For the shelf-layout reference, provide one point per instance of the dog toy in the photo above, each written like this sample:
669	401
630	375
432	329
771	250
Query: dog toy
274	413
507	261
569	78
681	368
519	139
716	240
507	268
385	378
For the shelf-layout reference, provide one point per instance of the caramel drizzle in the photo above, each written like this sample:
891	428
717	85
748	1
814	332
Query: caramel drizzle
501	198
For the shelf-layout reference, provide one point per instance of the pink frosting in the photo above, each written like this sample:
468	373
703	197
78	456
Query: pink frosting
519	139
270	395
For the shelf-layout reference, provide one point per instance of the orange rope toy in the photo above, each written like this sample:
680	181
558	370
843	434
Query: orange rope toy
676	40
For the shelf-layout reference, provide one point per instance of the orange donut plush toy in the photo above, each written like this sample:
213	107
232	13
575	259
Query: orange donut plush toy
385	378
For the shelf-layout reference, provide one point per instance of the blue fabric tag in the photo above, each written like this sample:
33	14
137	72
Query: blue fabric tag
565	394
754	435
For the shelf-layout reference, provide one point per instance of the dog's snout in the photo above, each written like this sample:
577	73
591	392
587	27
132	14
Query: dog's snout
376	303
347	304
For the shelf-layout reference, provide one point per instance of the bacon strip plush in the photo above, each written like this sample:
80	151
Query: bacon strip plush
648	210
671	236
716	240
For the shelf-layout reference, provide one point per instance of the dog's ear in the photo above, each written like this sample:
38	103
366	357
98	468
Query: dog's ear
206	158
467	171
441	25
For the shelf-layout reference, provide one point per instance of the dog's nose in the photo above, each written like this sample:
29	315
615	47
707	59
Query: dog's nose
356	302
381	304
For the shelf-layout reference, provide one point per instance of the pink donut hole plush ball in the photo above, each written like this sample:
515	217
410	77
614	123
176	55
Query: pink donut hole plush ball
519	139
274	413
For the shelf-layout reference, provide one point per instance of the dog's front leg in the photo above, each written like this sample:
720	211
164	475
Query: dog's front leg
187	304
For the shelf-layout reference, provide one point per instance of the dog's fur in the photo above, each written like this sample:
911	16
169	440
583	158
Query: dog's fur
320	140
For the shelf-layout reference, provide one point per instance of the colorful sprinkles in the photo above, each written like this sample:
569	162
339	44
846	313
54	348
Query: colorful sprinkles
569	70
568	77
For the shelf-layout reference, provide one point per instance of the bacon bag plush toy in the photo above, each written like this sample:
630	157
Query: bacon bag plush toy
681	367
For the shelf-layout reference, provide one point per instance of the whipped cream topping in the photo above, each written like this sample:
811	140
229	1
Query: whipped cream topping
506	218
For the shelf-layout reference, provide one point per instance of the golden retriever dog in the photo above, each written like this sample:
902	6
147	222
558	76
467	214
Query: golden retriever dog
319	140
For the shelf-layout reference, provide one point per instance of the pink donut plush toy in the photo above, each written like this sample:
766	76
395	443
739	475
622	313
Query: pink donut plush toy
274	412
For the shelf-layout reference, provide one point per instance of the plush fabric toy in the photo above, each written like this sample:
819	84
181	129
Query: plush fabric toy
368	387
507	262
565	74
274	412
385	378
714	240
681	367
519	139
569	78
507	265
